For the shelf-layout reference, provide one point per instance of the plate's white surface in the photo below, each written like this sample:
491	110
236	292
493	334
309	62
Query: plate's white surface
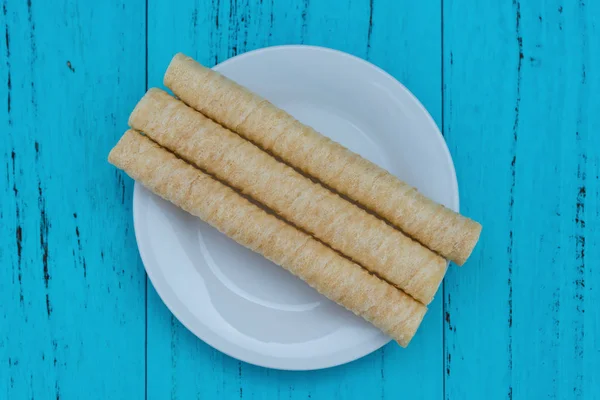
237	301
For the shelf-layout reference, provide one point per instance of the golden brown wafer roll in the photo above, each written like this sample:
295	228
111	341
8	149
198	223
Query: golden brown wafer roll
334	276
437	227
347	228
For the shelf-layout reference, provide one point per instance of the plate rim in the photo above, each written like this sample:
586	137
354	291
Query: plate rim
285	365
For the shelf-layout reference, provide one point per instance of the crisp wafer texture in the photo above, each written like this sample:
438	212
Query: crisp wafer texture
347	228
437	227
332	275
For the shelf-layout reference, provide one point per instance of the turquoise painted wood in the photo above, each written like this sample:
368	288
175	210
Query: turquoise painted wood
520	81
72	299
512	86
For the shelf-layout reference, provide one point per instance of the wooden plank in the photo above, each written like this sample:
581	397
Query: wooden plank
401	36
72	305
521	124
405	40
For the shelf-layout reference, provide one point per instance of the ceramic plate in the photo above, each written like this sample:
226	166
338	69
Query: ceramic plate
234	299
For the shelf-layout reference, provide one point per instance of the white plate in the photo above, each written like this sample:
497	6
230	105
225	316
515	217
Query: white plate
237	301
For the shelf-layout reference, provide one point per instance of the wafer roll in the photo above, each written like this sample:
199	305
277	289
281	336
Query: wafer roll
334	276
437	227
347	228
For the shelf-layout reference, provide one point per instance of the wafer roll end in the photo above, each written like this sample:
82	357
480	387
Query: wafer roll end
426	281
139	115
117	155
410	325
178	62
470	236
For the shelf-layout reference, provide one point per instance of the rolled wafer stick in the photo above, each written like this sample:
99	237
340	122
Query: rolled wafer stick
332	275
437	227
347	228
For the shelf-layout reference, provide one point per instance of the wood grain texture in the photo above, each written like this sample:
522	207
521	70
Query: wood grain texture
385	31
72	315
520	79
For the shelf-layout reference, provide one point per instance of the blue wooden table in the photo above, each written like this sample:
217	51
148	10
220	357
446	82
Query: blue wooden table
514	87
